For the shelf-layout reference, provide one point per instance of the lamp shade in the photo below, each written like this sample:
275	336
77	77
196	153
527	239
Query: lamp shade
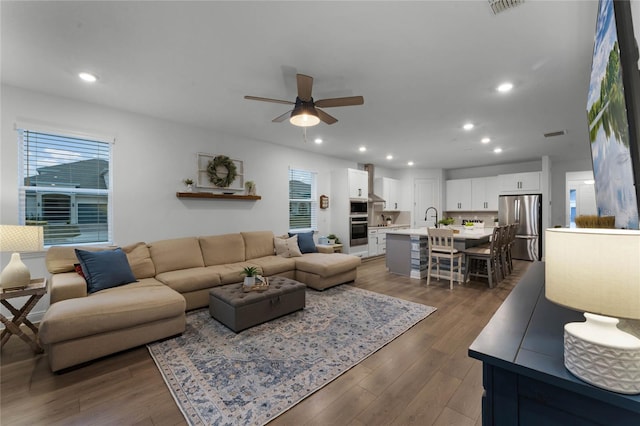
594	270
16	238
304	115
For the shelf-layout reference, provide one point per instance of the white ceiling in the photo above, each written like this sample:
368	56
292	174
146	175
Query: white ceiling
424	68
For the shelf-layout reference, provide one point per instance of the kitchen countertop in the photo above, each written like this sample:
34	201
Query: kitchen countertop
388	226
471	234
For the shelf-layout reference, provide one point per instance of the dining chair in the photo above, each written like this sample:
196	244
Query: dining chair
441	248
513	229
482	261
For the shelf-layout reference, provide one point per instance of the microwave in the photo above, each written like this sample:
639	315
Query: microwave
358	208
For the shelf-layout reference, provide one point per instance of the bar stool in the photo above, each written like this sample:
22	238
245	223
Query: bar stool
441	247
487	254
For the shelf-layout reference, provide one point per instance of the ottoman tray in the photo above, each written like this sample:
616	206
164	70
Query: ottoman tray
239	310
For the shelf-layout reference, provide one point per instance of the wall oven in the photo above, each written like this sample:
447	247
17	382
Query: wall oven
358	208
358	231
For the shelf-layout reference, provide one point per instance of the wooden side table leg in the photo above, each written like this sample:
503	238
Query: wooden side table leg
13	326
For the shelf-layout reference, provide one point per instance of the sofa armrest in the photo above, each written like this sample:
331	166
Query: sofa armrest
67	285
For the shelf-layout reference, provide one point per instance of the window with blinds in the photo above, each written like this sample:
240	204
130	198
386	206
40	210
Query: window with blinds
65	187
303	207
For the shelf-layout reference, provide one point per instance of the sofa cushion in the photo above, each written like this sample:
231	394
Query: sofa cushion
258	244
287	247
274	265
105	269
305	242
108	310
326	265
232	272
192	279
179	253
140	260
222	249
62	258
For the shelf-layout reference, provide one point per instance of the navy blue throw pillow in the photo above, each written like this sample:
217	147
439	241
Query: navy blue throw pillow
305	242
105	269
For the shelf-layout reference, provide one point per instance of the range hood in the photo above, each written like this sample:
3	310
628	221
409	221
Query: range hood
372	197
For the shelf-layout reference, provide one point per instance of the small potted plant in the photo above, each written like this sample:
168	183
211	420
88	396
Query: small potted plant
332	239
189	183
250	273
250	186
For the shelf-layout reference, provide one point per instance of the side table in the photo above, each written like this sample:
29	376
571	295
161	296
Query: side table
330	248
36	289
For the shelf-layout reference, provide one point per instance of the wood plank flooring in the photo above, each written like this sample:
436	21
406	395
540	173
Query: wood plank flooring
423	377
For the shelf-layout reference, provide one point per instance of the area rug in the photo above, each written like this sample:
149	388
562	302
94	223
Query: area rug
218	377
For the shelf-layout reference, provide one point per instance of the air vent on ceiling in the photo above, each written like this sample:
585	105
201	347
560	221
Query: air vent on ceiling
558	133
501	5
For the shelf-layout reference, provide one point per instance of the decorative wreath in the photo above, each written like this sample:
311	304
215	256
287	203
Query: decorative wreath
213	167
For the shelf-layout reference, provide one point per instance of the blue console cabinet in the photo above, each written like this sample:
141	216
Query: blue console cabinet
524	377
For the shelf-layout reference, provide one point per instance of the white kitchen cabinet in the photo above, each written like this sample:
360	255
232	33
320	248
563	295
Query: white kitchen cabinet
377	242
484	194
519	182
358	184
458	193
373	242
389	189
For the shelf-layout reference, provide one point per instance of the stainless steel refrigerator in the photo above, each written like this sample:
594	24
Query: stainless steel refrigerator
527	211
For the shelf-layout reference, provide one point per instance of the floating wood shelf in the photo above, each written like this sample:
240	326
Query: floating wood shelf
218	196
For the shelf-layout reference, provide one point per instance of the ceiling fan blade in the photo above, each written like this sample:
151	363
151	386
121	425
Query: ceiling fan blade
281	118
326	117
277	101
304	87
337	102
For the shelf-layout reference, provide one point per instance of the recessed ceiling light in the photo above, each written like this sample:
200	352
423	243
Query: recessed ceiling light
485	140
410	163
468	126
88	77
504	87
362	149
497	150
318	141
389	157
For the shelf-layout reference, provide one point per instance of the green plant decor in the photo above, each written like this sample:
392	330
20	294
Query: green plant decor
447	221
250	271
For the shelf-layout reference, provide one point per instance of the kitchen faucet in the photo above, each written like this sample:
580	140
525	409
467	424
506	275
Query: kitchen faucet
427	211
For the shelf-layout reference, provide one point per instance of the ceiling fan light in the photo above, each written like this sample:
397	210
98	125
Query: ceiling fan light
304	116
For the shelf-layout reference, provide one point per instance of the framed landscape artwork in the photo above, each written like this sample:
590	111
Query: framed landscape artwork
614	115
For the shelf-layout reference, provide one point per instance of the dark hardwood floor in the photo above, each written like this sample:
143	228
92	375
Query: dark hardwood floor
423	377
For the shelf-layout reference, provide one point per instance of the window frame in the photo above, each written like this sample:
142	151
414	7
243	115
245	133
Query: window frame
312	200
72	193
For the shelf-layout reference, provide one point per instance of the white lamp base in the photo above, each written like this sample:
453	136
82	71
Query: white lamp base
599	353
15	274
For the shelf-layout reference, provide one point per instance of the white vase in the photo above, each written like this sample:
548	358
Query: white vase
189	188
249	281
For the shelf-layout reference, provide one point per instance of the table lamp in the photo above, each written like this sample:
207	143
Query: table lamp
15	238
597	271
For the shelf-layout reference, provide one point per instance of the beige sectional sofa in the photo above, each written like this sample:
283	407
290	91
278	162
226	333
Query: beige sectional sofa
173	276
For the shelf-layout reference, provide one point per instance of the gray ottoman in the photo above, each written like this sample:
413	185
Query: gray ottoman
239	310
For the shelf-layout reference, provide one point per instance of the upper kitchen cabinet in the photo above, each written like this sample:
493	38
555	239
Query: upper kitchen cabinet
358	184
389	189
458	193
484	194
519	182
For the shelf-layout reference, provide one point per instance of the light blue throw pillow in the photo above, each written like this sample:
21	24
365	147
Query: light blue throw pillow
105	269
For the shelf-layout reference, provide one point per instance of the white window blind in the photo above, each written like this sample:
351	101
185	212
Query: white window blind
303	205
65	187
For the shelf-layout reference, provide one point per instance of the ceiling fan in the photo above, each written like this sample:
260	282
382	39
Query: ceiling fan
306	112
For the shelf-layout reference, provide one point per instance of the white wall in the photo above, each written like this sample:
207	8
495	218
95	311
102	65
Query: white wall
150	159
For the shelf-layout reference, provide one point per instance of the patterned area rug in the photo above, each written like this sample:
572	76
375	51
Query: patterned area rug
218	377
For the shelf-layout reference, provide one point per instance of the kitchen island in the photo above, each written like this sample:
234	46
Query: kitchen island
407	249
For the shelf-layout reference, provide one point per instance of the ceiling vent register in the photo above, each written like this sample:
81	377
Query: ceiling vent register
501	5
